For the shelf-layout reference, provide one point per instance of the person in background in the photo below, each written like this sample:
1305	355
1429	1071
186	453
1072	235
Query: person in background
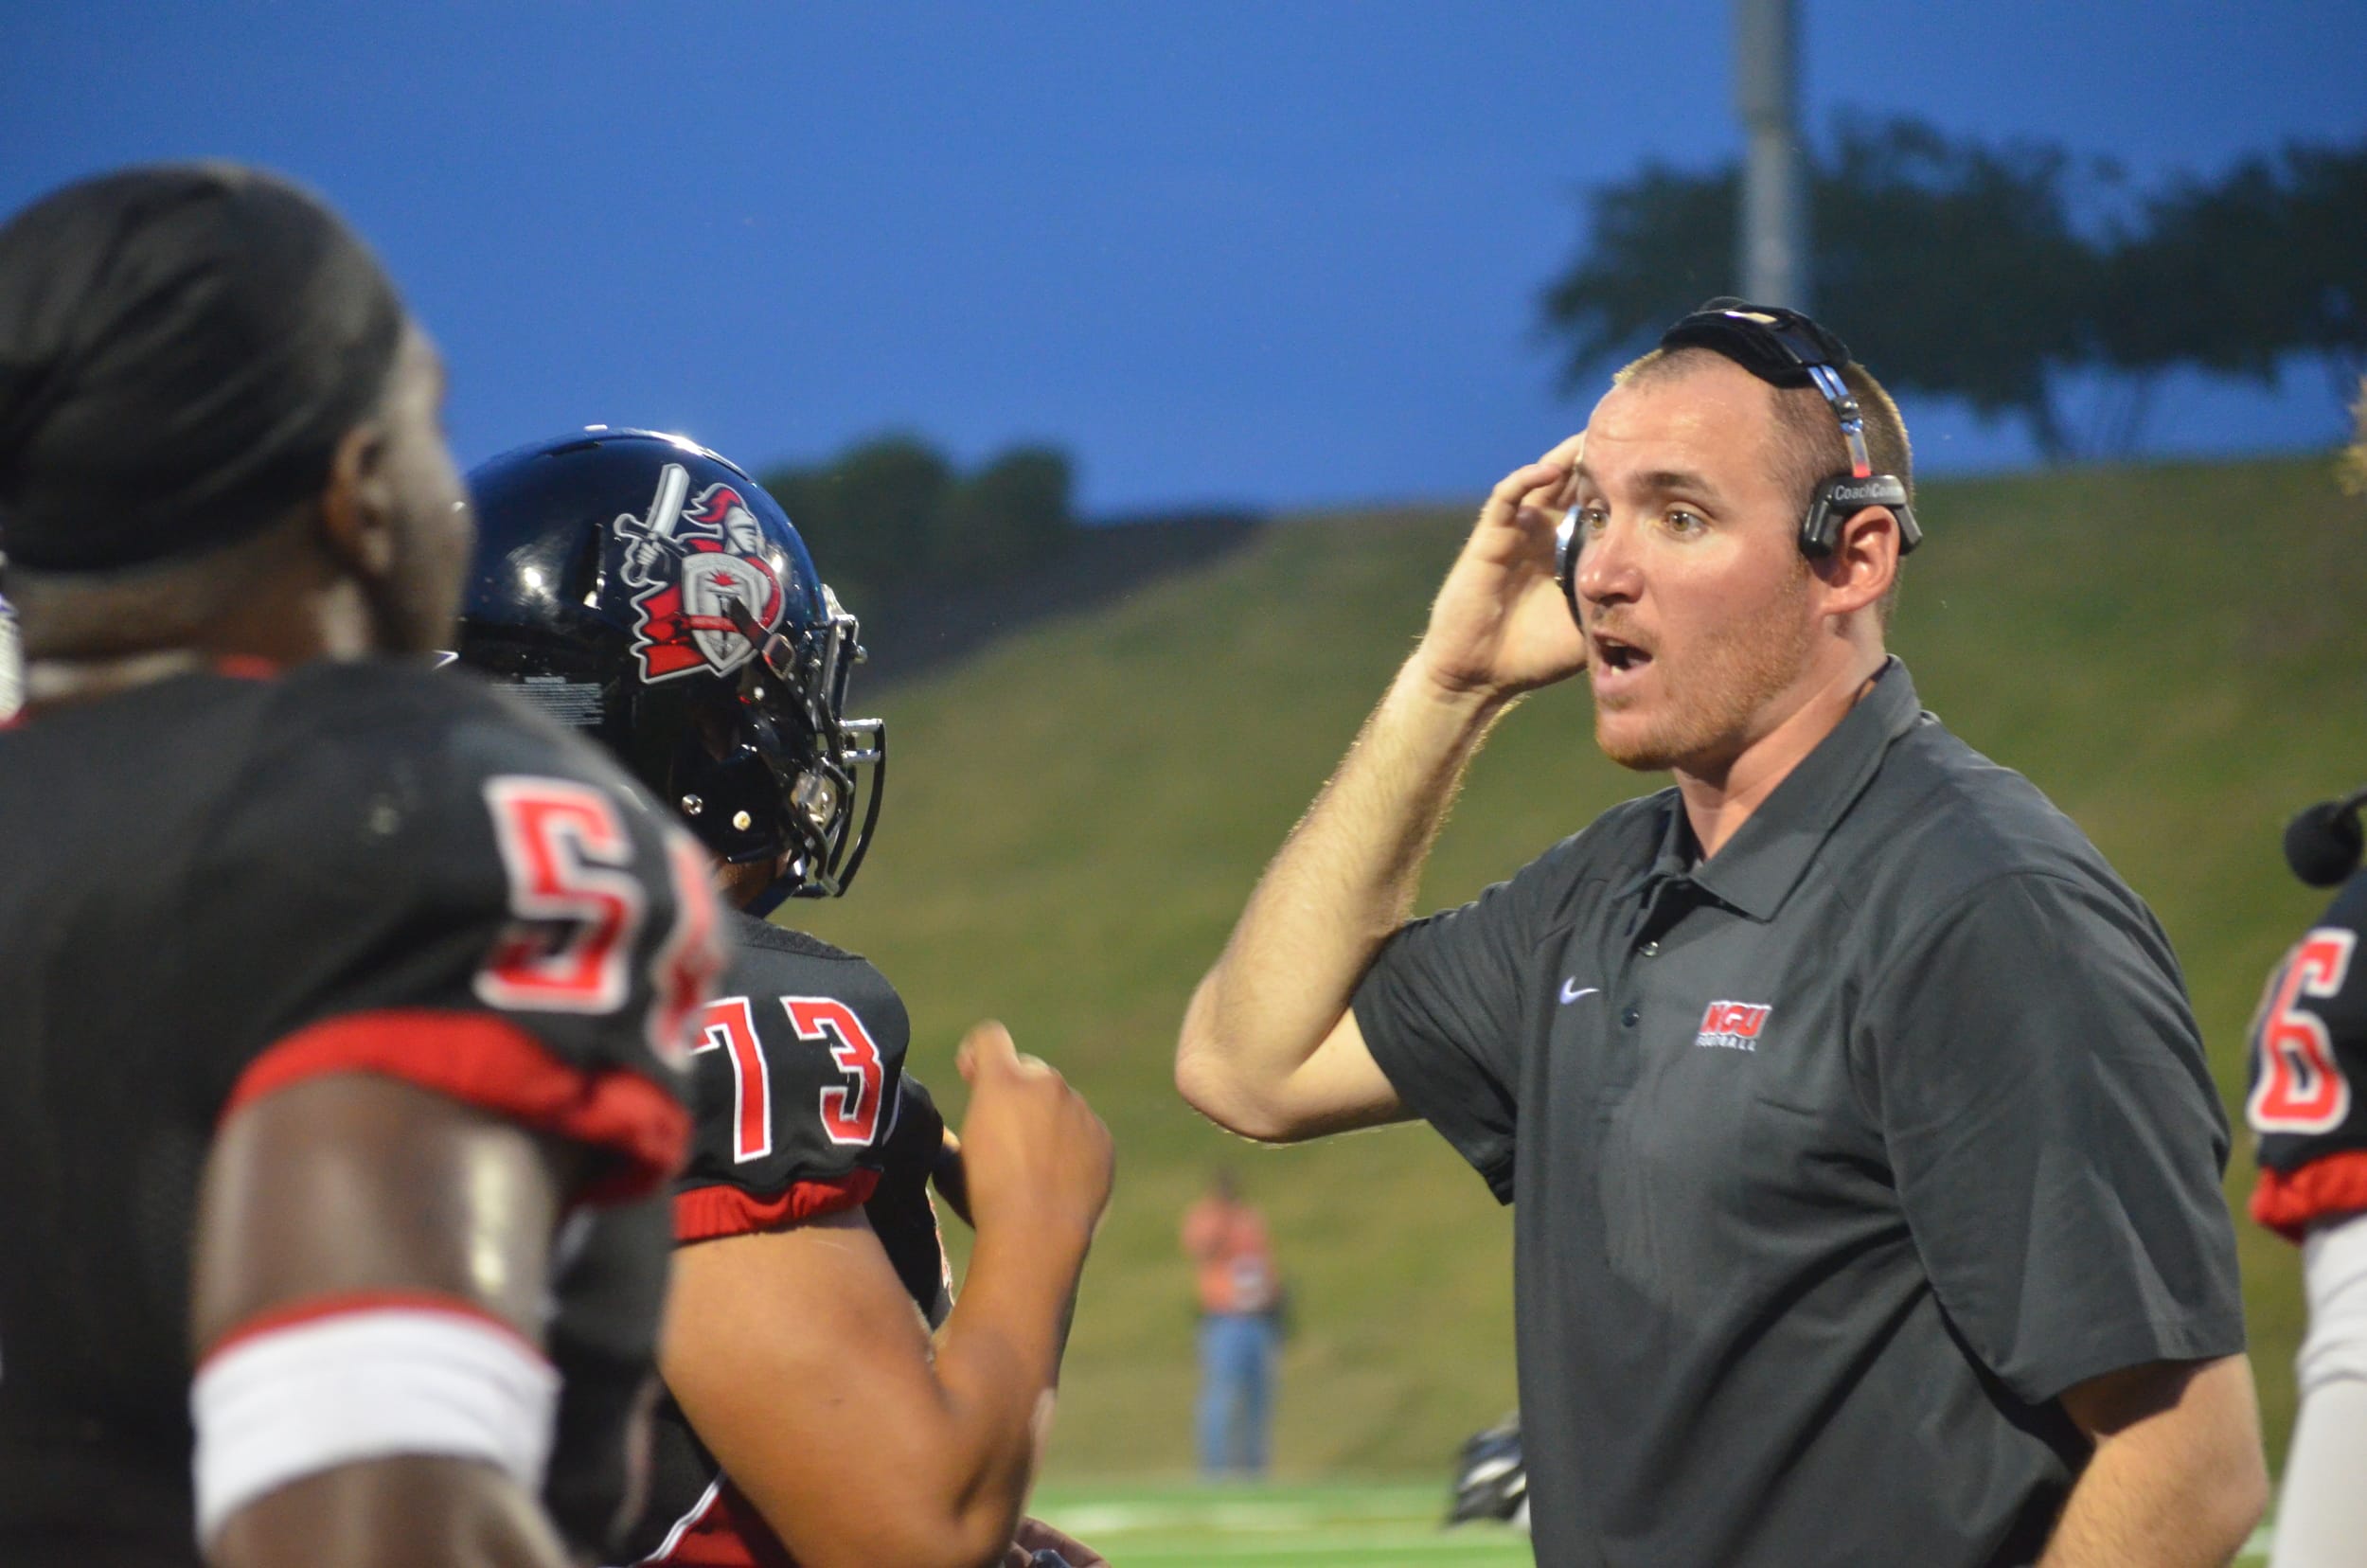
2309	1056
1240	1323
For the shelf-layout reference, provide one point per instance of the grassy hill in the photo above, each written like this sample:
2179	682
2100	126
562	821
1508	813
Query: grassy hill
2175	653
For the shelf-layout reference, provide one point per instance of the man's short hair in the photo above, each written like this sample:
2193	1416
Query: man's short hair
1808	440
1811	443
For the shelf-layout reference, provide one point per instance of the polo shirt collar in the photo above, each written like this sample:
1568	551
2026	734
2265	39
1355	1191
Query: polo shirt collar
1764	861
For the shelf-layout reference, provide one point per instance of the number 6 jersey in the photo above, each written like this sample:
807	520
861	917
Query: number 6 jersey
2308	1065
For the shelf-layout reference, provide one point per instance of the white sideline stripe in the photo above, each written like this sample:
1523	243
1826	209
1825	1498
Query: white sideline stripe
1418	1547
1104	1518
1119	1518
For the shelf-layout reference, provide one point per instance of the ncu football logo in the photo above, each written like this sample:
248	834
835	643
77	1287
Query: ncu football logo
690	560
1732	1026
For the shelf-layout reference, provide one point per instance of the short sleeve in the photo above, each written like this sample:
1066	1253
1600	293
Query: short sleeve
2054	1135
797	1072
465	903
900	1211
1441	1010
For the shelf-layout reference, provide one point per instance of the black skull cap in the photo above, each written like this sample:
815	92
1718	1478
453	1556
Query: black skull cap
181	347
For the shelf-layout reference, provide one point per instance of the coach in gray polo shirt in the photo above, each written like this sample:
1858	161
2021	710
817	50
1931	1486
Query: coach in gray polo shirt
1866	1164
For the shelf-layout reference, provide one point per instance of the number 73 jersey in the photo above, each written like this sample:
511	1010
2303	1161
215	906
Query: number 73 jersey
797	1066
2308	1071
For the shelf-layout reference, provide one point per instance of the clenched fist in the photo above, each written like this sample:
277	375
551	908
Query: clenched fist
1033	1152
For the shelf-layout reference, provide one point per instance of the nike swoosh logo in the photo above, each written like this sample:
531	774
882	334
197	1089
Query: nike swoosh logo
1571	993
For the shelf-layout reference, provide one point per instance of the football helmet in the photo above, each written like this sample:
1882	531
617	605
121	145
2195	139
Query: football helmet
1492	1478
647	591
11	673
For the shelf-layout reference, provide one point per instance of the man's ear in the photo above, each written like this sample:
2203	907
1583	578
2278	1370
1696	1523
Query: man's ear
1863	562
357	505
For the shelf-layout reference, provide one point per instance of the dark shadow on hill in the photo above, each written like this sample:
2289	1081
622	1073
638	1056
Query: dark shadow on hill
916	629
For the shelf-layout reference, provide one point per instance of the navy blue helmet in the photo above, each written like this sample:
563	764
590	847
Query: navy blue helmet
643	589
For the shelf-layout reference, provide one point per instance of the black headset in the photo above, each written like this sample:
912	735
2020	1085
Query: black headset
1783	349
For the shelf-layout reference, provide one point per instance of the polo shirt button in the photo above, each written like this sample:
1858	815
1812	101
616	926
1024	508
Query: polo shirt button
1629	1017
1649	950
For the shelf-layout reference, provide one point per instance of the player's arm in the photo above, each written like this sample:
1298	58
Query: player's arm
368	1289
2177	1478
2322	1512
806	1371
1270	1047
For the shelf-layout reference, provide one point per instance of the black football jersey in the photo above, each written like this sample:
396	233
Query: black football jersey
2309	1070
803	1109
219	884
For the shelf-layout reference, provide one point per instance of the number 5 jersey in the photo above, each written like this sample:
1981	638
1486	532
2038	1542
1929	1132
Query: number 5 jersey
218	885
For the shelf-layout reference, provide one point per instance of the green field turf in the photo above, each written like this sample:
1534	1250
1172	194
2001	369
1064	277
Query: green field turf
1372	1524
2175	653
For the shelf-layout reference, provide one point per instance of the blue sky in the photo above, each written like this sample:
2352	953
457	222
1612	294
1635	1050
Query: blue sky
1281	253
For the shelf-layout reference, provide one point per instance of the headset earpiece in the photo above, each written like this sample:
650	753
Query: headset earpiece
1566	559
1842	497
1787	350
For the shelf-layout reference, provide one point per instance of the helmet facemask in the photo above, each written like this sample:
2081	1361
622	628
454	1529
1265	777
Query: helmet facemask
777	769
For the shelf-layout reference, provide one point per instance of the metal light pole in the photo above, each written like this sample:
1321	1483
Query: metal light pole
1774	258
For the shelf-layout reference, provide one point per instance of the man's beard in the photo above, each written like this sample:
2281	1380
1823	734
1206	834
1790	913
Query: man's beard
1712	712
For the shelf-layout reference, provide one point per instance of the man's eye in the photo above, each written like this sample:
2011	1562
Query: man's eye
1593	519
1684	522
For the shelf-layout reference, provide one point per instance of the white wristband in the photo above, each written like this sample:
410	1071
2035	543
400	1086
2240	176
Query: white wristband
363	1378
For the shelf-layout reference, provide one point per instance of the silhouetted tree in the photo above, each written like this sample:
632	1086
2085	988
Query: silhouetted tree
1955	269
891	511
1952	266
1010	514
1660	243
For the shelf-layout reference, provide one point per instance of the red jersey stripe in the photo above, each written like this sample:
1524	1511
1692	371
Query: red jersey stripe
2289	1203
495	1064
705	1213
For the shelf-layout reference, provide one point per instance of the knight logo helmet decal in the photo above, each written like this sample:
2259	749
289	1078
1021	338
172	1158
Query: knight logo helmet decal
689	557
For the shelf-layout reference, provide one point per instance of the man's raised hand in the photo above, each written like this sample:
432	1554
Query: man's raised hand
1500	624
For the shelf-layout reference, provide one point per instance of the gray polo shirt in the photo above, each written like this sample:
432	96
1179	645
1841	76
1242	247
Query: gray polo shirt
1837	1157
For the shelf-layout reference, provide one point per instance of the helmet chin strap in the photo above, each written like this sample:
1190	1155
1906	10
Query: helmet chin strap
753	887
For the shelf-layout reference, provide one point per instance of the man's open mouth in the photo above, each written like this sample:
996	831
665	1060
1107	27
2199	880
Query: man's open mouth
1617	653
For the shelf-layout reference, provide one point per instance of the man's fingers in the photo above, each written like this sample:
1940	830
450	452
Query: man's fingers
986	1046
1503	503
1568	452
1569	455
1544	483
